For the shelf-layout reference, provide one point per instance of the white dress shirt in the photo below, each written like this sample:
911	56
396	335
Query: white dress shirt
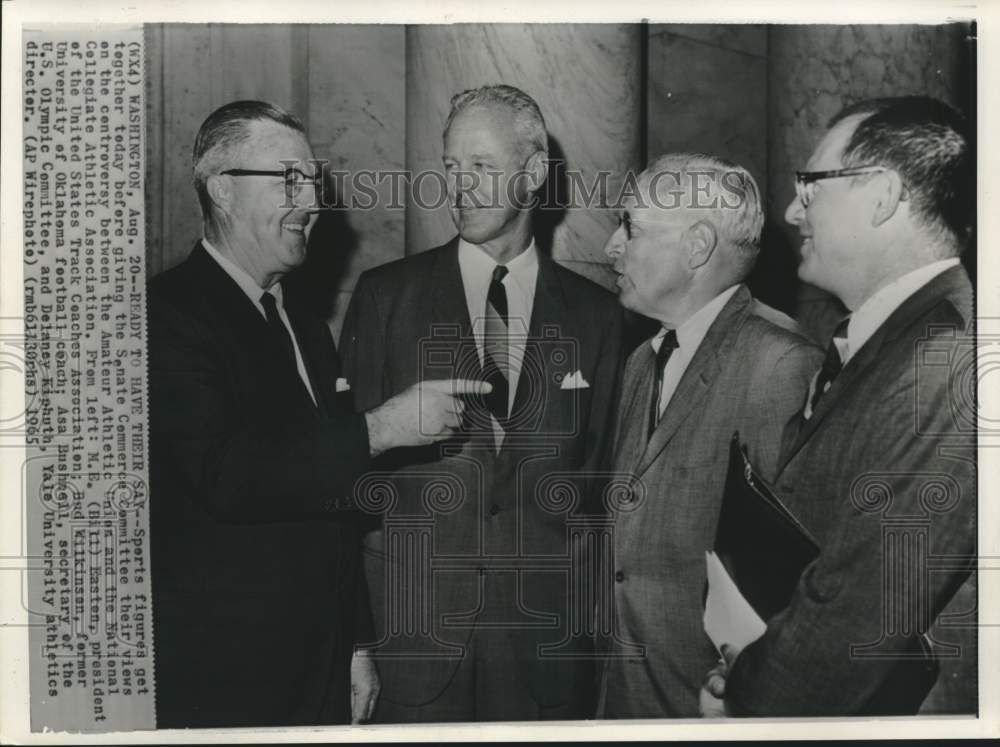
873	312
519	283
689	337
253	291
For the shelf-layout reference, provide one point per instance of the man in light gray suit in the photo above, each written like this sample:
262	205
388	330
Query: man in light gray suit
721	362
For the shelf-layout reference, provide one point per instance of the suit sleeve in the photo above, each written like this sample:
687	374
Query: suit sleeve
810	659
362	347
242	467
363	357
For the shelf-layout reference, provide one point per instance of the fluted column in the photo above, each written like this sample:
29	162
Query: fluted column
813	72
587	82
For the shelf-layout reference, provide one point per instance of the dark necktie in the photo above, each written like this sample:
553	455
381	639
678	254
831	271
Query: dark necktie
496	358
831	367
278	330
667	346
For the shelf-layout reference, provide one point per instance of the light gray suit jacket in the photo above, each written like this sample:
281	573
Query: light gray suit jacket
750	373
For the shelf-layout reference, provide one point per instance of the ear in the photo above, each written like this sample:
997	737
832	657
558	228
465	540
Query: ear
220	191
538	169
889	192
699	242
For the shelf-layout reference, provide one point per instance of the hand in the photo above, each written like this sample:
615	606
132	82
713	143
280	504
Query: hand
426	412
365	687
711	701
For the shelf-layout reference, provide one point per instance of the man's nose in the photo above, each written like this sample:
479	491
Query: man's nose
462	182
795	213
615	244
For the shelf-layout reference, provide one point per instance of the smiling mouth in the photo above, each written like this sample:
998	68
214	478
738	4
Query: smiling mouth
299	228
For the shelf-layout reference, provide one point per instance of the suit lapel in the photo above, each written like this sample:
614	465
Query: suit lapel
249	324
548	312
314	347
448	305
450	325
630	436
871	352
698	376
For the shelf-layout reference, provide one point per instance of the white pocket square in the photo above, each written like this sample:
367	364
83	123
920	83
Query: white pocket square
574	380
342	385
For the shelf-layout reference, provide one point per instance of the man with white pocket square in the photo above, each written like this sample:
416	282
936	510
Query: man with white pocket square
721	362
550	343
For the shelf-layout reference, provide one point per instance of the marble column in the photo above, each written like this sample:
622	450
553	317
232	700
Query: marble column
344	81
813	72
586	79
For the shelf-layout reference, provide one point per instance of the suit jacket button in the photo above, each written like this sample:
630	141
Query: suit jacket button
619	576
494	510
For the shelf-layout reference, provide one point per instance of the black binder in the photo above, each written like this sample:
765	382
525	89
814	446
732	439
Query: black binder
759	541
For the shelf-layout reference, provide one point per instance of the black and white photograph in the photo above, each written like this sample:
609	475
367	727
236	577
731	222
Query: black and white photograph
478	373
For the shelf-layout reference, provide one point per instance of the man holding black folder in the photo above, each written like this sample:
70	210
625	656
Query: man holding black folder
722	361
880	465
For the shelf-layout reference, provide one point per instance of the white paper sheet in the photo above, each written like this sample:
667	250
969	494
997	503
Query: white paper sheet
729	618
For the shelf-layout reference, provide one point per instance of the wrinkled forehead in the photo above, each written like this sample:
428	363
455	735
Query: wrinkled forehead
658	195
829	152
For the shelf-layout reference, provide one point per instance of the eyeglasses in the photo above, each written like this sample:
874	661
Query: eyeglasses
294	179
626	221
805	181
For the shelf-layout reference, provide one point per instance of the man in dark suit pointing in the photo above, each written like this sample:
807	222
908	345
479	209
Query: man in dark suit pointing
258	602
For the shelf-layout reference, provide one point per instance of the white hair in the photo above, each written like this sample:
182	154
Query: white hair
724	190
528	120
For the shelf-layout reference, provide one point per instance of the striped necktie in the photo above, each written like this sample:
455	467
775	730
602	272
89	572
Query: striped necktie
496	353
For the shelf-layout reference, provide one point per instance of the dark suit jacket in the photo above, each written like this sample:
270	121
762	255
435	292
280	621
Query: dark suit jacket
884	476
409	321
750	373
255	558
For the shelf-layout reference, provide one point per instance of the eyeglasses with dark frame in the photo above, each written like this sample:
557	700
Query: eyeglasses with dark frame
626	221
805	181
294	179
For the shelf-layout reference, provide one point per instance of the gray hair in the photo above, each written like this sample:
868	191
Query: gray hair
528	120
224	137
725	190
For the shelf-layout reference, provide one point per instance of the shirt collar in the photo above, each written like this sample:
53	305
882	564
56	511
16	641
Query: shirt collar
481	264
242	278
695	327
873	312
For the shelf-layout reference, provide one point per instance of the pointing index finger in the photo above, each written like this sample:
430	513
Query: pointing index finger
458	387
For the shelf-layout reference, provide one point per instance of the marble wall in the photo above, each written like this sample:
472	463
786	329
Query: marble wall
813	72
376	97
707	92
347	85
